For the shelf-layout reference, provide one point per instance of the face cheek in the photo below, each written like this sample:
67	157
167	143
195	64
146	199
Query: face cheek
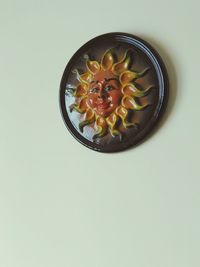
92	100
115	97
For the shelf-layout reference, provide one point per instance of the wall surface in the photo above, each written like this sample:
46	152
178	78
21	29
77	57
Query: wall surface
62	204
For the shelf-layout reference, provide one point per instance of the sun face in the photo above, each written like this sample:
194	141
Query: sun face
106	93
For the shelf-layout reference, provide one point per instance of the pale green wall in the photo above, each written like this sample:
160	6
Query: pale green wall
63	205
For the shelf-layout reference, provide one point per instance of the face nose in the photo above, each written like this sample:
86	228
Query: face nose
102	92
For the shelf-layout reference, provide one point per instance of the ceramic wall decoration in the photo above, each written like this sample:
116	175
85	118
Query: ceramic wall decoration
113	91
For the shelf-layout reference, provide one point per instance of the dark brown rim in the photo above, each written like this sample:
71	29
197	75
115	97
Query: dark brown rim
163	88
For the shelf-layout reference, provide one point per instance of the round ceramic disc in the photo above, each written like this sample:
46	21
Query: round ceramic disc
113	91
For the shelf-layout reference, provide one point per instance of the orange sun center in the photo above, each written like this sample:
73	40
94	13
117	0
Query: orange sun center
104	94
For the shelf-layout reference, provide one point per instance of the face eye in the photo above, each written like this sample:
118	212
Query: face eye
94	90
108	88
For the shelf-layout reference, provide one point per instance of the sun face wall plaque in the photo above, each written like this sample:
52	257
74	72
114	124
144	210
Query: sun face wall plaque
113	92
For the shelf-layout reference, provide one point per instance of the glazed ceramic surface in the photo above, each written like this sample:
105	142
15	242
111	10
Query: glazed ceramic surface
113	91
